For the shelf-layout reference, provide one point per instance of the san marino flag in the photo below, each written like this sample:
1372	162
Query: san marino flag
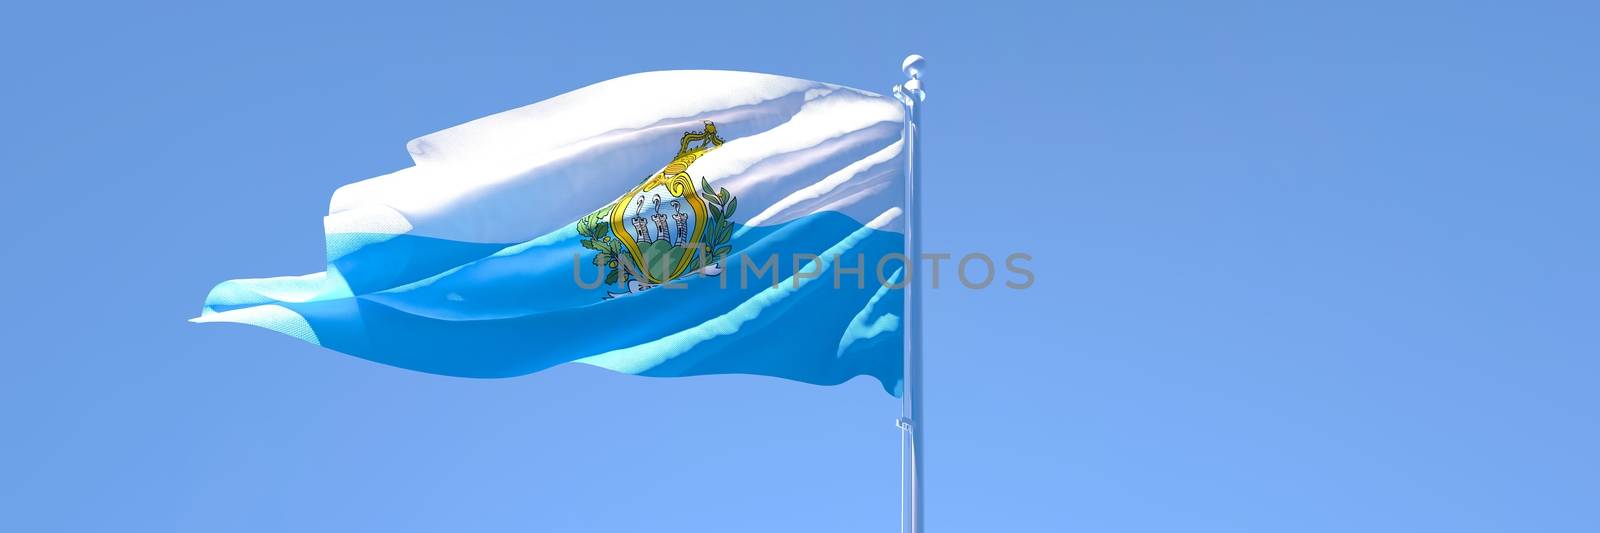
661	224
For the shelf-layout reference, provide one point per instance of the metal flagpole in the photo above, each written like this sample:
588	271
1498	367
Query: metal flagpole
911	418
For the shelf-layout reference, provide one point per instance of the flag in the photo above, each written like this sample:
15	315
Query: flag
665	224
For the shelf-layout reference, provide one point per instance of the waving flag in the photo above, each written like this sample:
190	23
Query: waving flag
661	224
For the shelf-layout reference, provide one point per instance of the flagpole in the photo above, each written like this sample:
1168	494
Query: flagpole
911	416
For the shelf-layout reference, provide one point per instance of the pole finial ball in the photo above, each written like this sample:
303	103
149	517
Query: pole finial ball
913	66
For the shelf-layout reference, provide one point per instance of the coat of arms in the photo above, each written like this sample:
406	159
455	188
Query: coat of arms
668	226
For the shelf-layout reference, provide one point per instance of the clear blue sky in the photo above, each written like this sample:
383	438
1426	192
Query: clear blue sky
1300	268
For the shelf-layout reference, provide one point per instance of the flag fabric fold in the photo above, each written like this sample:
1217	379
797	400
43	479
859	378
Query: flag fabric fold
662	224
